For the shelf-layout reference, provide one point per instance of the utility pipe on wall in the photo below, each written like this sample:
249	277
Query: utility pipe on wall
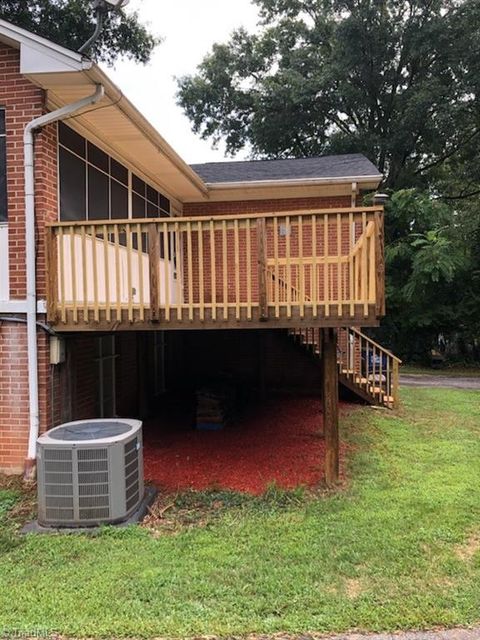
29	168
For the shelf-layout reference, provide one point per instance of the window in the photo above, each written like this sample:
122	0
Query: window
94	186
3	168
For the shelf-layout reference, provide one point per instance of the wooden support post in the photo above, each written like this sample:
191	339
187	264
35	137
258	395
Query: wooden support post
395	383
380	264
52	275
154	266
262	268
330	405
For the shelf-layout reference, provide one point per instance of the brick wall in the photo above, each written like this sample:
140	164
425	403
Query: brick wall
252	358
247	262
23	102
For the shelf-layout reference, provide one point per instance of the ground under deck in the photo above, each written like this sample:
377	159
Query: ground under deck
276	442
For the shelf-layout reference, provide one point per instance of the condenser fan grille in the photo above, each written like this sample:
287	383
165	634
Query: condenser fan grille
90	431
132	480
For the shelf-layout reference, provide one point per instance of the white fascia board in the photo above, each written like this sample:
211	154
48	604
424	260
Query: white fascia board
296	182
36	59
39	55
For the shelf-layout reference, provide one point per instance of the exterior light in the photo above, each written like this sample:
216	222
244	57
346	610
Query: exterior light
101	8
380	198
114	4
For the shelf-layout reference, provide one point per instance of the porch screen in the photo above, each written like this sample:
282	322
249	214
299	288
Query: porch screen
94	186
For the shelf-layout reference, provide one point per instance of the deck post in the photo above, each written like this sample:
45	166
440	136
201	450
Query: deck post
51	255
330	405
262	268
154	270
395	383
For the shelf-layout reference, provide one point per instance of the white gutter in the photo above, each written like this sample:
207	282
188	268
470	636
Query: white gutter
292	182
31	305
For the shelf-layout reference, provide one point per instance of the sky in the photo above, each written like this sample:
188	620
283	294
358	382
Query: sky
189	29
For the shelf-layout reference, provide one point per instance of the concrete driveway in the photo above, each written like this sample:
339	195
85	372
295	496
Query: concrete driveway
447	382
451	634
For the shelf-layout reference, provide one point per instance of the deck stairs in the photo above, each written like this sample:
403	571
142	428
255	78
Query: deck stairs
364	367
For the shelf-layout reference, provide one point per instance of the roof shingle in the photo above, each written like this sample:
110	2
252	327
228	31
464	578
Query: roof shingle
353	165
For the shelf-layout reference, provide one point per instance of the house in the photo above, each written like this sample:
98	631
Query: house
123	269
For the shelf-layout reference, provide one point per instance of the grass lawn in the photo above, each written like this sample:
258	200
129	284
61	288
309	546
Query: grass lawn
399	547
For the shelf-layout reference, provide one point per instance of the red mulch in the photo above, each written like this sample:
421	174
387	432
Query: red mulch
279	443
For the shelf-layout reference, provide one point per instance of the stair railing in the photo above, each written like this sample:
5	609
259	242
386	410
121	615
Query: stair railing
369	365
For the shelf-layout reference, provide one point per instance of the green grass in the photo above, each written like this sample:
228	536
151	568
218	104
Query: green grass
397	548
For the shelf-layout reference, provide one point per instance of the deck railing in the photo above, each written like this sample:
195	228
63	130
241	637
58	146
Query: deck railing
308	265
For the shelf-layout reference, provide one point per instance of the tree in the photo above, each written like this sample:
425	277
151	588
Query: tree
71	22
397	80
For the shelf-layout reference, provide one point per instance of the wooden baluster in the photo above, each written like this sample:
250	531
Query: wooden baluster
225	269
154	270
372	271
140	272
364	266
379	265
395	383
262	268
201	280
326	250
388	383
84	272
190	271
236	261
179	272
213	270
301	267
248	260
339	266
73	266
164	244
351	242
314	267
61	246
128	232
96	309
276	281
288	265
118	288
106	268
367	351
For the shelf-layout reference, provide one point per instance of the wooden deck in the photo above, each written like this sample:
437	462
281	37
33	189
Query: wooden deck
279	269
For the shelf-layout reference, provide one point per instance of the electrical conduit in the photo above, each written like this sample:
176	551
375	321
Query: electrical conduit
29	168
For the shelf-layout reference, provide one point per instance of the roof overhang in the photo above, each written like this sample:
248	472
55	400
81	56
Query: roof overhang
114	123
294	188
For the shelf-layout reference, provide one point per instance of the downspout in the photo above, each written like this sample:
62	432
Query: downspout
29	168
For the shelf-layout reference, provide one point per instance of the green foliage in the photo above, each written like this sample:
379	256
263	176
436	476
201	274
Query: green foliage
8	539
393	79
397	80
71	22
397	548
431	273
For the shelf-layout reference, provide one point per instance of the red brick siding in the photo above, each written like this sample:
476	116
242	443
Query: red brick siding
248	356
126	375
23	102
249	262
